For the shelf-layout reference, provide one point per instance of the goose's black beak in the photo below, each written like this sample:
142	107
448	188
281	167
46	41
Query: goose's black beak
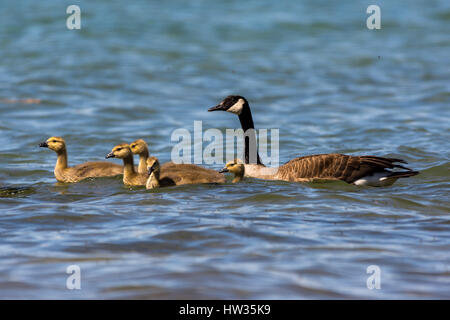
43	144
224	170
220	107
110	155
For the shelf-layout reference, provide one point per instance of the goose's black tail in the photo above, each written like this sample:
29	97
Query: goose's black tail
403	174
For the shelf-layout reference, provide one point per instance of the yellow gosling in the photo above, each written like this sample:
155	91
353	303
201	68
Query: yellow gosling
130	176
140	148
64	173
237	168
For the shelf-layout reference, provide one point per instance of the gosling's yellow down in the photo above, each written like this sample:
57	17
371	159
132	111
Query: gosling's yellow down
237	168
130	176
64	173
179	174
140	148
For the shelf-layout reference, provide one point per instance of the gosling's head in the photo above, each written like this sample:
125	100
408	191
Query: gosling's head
56	144
236	167
153	165
120	151
139	146
233	104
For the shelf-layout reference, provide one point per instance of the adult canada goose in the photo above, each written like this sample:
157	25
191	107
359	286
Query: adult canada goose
179	174
140	148
359	170
130	176
64	173
237	168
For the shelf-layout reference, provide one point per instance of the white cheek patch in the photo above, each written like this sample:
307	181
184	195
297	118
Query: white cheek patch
237	107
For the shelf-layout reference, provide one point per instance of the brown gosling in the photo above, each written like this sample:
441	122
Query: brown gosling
130	176
154	174
140	148
237	168
64	173
179	174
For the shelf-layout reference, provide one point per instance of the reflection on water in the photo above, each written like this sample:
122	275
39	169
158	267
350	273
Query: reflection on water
145	69
15	191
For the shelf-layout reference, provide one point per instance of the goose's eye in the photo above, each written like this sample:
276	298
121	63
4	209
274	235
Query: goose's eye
54	141
119	149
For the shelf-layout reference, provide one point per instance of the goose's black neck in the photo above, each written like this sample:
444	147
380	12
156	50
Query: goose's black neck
246	120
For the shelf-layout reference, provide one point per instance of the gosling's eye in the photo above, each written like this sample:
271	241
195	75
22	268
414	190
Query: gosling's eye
54	141
119	149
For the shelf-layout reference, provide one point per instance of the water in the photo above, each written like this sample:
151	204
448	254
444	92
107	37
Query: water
142	69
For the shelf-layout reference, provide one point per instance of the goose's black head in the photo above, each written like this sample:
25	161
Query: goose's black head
239	106
233	104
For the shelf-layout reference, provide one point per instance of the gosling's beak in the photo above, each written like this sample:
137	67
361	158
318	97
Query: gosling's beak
220	107
224	170
110	155
151	169
43	144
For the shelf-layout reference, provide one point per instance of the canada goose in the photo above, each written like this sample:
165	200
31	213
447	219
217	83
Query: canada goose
63	173
179	174
130	176
359	170
140	148
237	168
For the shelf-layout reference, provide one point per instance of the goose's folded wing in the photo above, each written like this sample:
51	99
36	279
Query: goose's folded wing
191	174
336	167
96	169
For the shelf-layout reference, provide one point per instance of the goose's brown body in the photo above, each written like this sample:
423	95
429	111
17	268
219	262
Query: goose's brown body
64	173
87	170
335	166
190	174
171	174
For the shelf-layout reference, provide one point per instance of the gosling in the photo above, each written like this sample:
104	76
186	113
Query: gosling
130	176
237	168
140	148
179	174
64	173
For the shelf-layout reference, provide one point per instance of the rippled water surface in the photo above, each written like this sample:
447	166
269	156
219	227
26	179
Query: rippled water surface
141	69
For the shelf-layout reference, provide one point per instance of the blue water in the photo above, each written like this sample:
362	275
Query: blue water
142	69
